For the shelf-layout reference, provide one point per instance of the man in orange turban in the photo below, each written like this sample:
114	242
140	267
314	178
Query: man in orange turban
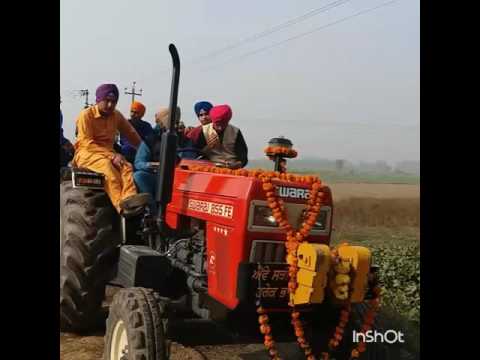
143	128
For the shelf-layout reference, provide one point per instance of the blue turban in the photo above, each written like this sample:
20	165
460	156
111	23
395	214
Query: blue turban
202	105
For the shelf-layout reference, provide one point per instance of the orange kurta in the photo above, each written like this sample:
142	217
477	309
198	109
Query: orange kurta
94	150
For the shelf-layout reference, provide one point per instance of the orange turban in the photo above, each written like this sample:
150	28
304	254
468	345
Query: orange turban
139	107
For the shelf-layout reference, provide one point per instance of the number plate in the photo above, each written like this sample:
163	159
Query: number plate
87	180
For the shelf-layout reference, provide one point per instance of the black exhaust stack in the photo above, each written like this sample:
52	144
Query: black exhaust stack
168	147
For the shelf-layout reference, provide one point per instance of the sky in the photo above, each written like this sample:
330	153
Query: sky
339	80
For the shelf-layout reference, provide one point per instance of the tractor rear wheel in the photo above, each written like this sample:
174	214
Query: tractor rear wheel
136	327
89	235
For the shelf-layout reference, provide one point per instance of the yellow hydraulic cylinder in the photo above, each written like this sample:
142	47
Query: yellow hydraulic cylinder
313	264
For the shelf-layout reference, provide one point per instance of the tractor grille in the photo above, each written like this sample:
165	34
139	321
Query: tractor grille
265	251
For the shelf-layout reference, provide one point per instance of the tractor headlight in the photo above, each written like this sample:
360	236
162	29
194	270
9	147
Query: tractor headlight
262	216
321	223
322	218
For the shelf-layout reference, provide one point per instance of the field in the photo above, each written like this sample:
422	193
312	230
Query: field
363	177
360	174
343	191
384	217
391	228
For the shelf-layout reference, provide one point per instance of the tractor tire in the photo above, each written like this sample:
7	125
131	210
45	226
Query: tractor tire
136	327
89	235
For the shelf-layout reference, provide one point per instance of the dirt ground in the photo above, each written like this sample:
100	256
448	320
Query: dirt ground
192	340
74	347
200	340
219	344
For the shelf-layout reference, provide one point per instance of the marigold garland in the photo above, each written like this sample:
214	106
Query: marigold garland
340	328
339	275
294	238
265	329
368	321
280	150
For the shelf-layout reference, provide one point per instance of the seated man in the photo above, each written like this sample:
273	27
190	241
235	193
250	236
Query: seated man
202	110
185	149
97	126
184	144
148	156
143	128
161	119
219	141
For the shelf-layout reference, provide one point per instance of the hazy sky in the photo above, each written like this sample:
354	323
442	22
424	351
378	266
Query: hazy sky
349	90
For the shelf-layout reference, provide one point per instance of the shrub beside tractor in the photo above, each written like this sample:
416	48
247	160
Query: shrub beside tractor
223	242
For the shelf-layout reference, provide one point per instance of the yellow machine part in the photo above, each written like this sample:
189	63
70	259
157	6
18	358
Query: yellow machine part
313	264
359	258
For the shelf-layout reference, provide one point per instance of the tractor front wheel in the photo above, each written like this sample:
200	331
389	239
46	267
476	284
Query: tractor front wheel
136	327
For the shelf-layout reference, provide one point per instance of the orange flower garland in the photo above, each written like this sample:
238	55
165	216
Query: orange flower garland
300	334
280	150
340	329
265	329
294	238
344	313
368	322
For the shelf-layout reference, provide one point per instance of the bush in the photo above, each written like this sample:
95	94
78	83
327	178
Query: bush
399	273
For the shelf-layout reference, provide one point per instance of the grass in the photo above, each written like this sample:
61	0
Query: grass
390	228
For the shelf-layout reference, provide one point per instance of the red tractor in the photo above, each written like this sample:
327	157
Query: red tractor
213	248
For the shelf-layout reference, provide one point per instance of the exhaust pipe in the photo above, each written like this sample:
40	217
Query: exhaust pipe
168	148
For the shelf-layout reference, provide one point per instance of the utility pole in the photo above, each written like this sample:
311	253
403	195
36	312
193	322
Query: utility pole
133	93
85	93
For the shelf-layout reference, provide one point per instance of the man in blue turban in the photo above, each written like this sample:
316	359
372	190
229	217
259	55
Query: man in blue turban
202	109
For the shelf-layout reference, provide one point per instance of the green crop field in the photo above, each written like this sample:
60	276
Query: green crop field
390	228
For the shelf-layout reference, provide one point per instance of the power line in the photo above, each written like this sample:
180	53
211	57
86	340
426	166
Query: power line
301	35
273	29
266	32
